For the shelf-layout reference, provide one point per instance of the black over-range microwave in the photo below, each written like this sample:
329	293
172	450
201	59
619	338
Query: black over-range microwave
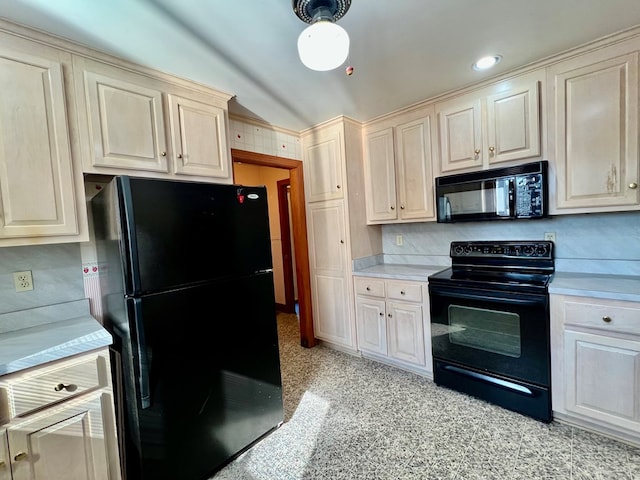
497	194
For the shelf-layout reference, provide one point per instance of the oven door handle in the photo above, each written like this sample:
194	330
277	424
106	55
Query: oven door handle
493	380
483	295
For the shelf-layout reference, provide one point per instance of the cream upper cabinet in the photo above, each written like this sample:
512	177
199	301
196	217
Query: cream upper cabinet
497	124
380	176
324	163
39	197
398	167
593	125
198	138
133	123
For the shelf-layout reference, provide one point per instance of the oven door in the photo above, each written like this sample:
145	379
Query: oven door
504	333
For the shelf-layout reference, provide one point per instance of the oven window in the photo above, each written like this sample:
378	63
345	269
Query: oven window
489	330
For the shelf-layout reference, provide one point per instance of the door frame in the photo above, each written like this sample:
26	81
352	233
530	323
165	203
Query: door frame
285	236
300	241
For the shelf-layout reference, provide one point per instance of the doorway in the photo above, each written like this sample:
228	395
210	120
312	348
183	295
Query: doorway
298	234
290	294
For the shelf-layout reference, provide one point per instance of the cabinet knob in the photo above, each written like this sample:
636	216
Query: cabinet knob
69	388
163	154
338	187
633	185
381	314
477	151
2	464
341	241
606	319
179	155
20	456
392	207
492	151
401	207
389	315
402	292
368	289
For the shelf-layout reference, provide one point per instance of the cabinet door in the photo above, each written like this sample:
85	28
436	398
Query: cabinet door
380	177
36	174
371	325
415	175
406	332
595	120
323	164
5	462
602	376
198	138
329	279
460	131
65	443
127	127
513	124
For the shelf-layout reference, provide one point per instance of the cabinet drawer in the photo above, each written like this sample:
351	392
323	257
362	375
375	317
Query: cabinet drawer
38	391
601	315
411	292
369	286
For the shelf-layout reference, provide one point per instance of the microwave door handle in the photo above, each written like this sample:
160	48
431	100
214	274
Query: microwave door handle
512	198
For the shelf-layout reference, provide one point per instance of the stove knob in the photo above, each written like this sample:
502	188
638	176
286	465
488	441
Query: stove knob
541	250
467	249
458	250
527	250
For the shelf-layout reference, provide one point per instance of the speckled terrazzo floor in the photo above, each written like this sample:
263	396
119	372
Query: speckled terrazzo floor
348	418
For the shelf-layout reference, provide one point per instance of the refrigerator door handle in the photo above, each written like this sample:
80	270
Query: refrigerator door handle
140	354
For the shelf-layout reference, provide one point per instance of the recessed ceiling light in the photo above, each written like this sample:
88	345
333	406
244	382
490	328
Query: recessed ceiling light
487	62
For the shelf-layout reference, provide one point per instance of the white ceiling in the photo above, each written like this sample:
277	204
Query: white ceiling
403	51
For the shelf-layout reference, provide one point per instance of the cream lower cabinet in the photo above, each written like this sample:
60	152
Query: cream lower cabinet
493	125
61	421
593	126
332	316
391	325
398	167
596	364
41	190
5	463
134	123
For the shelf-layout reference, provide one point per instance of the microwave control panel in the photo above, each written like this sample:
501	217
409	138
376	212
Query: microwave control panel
529	201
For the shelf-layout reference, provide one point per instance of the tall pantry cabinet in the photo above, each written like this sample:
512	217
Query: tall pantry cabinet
332	164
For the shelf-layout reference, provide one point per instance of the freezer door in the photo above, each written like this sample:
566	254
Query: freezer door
210	395
181	233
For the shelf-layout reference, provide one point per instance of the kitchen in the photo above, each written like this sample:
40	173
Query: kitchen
578	237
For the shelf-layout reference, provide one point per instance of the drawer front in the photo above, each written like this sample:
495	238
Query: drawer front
40	390
614	318
411	292
369	286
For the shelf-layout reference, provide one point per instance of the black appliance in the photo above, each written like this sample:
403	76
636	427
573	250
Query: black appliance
187	286
497	194
490	323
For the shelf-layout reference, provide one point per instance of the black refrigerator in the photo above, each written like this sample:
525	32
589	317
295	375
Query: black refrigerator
187	293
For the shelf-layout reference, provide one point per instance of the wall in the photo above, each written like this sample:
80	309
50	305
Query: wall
57	276
590	243
260	138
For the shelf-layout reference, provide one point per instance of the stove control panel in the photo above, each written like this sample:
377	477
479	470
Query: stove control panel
487	249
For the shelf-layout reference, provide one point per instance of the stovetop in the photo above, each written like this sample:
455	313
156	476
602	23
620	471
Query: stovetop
516	265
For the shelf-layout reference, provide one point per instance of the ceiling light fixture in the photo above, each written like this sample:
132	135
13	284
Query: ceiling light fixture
323	45
487	62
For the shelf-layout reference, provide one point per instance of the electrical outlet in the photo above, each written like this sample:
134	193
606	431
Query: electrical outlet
550	236
399	240
23	281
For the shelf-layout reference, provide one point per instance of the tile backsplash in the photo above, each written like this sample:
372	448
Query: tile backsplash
590	243
56	272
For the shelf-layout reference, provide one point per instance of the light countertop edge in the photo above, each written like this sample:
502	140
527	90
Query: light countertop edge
418	273
31	347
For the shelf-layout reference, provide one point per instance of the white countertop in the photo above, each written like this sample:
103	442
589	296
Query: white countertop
614	287
400	271
56	339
